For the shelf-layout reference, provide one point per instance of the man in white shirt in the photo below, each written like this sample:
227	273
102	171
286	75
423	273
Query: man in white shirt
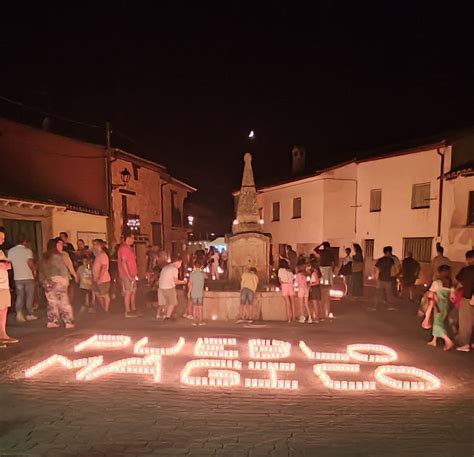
5	299
169	279
24	270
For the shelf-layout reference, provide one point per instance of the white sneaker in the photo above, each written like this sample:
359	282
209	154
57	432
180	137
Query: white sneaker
331	316
310	321
31	317
52	325
465	348
69	325
301	320
20	317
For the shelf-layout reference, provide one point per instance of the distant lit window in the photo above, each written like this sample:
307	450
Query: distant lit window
420	197
276	211
375	200
297	208
420	247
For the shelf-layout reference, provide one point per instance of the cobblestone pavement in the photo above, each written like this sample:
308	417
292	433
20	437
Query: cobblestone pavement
128	415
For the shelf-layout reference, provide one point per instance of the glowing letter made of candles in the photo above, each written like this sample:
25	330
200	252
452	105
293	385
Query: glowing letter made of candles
273	382
104	341
384	375
139	348
269	349
386	354
215	347
221	373
87	365
149	365
321	370
339	356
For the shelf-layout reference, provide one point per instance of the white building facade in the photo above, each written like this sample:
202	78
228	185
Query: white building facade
397	200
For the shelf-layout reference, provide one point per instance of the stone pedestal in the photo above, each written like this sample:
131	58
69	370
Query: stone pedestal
247	250
248	245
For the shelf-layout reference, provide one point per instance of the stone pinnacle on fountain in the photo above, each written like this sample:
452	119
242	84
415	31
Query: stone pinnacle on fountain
248	218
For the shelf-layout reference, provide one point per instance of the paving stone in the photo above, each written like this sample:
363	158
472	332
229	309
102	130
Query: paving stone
122	416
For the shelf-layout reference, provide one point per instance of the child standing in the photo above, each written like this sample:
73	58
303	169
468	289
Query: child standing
303	294
439	300
315	290
248	288
84	273
286	277
196	293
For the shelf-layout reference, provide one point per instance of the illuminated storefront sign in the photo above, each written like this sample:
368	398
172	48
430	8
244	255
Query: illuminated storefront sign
216	364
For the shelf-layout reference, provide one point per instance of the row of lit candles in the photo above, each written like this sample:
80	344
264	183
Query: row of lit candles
172	350
354	351
91	369
103	341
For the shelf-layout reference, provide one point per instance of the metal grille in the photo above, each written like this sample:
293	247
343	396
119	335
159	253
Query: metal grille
369	249
375	200
420	247
420	197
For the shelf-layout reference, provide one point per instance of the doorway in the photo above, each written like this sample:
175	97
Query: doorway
31	229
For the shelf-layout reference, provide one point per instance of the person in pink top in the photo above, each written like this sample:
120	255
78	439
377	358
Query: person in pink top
303	293
100	274
128	271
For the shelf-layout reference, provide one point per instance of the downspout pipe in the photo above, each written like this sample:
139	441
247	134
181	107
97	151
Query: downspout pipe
441	189
162	185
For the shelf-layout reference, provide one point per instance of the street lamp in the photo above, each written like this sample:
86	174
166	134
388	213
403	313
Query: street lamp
125	176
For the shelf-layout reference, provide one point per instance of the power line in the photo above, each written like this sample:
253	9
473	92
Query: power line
47	113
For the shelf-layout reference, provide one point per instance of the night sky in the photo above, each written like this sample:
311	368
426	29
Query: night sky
187	83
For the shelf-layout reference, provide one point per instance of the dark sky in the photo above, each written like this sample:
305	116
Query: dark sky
187	83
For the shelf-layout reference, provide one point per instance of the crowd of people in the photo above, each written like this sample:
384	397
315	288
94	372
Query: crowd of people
66	275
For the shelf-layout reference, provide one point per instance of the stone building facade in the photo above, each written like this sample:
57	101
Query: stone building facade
150	204
409	199
51	183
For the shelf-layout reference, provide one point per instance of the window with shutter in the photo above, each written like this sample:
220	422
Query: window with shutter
375	200
297	208
420	197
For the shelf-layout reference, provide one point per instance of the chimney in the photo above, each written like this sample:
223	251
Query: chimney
298	154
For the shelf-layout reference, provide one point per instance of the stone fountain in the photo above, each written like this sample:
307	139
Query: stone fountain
248	245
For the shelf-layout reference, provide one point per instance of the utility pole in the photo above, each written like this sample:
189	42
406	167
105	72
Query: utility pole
108	173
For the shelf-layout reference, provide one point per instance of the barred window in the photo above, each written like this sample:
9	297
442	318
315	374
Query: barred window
297	208
419	247
276	211
369	249
375	200
420	197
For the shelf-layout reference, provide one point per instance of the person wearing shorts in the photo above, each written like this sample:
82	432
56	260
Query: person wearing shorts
128	272
315	291
303	294
169	279
248	288
100	273
196	293
286	277
5	298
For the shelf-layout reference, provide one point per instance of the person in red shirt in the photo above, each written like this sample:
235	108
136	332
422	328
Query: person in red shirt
128	271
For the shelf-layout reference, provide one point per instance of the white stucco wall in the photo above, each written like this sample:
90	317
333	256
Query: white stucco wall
397	220
329	206
457	236
73	222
